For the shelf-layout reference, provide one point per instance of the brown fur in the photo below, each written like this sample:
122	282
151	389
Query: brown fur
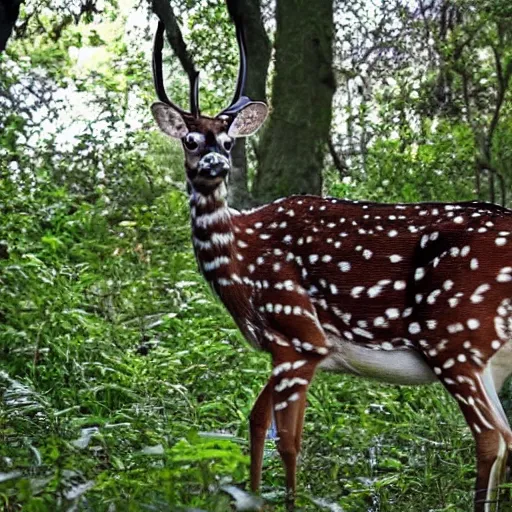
206	124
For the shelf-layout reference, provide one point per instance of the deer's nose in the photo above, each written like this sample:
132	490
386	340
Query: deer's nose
213	165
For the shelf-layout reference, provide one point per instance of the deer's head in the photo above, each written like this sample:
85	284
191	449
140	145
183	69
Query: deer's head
207	141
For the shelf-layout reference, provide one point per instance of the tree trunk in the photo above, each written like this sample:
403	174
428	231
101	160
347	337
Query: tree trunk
294	142
9	12
258	58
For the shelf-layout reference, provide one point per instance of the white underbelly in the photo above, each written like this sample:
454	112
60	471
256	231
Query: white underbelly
400	366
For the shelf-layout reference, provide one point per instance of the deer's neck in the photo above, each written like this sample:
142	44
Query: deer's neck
213	234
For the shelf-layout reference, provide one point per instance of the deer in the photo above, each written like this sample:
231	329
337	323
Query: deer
406	293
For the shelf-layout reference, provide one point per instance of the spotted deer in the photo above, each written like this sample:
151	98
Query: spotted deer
402	293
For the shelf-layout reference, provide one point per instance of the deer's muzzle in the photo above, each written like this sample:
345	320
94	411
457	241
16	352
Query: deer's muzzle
213	165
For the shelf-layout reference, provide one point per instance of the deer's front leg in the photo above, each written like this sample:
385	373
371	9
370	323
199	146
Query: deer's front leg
289	402
259	422
288	387
297	347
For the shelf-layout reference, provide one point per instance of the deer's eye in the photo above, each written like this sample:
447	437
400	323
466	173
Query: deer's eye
191	141
228	145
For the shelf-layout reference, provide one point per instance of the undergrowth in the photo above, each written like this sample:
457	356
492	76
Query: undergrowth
125	386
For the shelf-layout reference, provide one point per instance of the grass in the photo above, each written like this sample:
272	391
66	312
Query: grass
125	385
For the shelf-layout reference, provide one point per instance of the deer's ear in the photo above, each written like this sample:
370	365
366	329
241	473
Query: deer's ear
249	119
169	120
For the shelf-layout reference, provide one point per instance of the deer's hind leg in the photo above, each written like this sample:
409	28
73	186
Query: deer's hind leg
471	383
500	369
492	444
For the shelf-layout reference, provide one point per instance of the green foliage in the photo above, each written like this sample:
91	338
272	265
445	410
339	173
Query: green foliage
428	170
428	71
86	293
123	383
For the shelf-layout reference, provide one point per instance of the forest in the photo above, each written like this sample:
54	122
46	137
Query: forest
124	383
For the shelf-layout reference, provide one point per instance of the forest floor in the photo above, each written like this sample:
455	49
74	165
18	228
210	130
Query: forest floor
125	386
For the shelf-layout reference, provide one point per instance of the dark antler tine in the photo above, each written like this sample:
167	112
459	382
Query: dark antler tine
239	100
158	44
242	69
194	95
158	78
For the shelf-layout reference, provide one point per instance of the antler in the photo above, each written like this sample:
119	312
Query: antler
242	69
238	100
158	80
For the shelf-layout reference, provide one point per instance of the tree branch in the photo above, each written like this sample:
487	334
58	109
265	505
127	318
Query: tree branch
503	78
339	163
483	165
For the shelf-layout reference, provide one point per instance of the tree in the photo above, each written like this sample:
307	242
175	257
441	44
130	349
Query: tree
293	145
417	75
465	89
